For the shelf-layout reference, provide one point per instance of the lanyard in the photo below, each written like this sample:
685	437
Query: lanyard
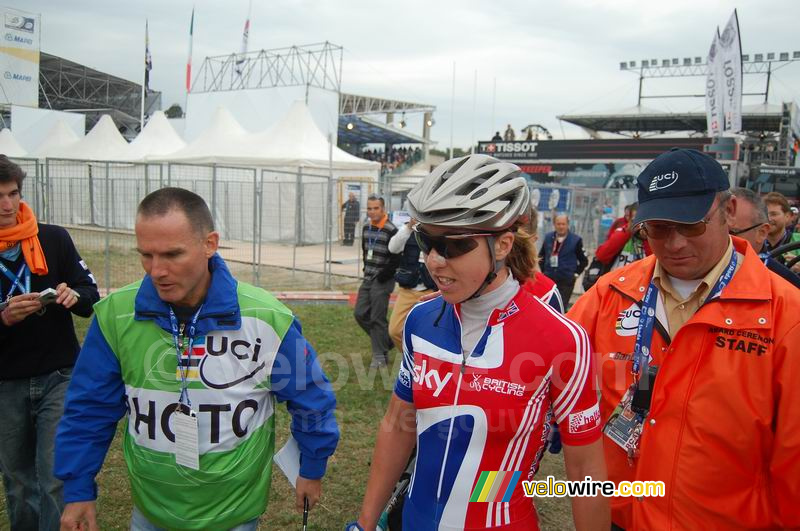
178	342
16	281
557	246
644	331
370	240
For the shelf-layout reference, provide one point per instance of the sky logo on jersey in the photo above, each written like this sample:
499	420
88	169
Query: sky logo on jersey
191	361
495	486
430	378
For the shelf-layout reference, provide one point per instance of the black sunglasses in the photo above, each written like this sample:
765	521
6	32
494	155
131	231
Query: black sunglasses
734	232
448	245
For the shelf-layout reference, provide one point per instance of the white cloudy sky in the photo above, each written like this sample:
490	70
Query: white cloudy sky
547	57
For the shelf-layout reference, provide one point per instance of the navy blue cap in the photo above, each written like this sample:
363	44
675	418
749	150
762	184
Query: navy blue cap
679	186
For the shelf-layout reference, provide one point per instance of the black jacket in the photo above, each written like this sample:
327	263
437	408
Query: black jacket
43	343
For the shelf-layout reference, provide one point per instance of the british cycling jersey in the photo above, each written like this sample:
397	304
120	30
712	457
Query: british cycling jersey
488	411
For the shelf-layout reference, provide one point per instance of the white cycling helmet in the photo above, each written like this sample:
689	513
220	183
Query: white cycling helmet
474	192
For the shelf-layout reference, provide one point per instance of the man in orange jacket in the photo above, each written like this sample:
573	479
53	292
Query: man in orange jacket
697	349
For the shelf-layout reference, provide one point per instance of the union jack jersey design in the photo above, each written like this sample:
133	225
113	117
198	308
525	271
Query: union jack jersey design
489	410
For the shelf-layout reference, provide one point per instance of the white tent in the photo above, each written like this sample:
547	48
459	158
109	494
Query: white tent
294	142
59	138
103	142
157	138
223	142
297	141
9	145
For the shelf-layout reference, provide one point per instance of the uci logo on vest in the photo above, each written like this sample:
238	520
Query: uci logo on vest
662	181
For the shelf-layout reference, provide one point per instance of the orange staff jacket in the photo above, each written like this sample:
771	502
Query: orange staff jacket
723	432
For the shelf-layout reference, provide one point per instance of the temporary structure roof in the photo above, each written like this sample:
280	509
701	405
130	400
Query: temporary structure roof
9	145
58	138
103	142
297	141
157	138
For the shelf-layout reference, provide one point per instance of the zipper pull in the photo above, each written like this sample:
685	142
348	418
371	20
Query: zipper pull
463	364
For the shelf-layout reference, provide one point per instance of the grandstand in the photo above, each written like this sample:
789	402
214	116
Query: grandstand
65	85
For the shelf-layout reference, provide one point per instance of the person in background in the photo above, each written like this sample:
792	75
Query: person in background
622	221
624	245
562	257
751	223
781	232
412	276
372	302
39	349
697	352
497	137
509	134
351	209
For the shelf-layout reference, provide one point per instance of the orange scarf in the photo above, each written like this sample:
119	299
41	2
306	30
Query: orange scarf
25	232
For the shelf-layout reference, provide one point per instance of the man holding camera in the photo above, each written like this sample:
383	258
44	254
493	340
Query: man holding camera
39	348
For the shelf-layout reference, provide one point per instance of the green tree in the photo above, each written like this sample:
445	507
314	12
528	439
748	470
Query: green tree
174	111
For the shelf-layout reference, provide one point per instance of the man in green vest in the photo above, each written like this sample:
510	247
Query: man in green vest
197	361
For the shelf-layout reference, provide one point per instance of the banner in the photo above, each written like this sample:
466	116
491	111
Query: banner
714	93
730	57
19	57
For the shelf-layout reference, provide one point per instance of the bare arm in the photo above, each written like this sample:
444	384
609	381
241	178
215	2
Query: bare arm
581	461
396	439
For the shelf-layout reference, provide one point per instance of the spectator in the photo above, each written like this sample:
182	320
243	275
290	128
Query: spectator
622	221
372	302
509	135
562	257
751	222
412	276
39	348
351	209
697	349
624	245
780	233
196	359
497	137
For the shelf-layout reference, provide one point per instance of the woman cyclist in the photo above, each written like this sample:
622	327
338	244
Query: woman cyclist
482	366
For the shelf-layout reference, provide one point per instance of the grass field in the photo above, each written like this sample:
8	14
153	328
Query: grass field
362	397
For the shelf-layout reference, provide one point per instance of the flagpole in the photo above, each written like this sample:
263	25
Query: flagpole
144	77
189	65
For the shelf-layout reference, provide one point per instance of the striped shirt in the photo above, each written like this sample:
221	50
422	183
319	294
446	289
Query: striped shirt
376	240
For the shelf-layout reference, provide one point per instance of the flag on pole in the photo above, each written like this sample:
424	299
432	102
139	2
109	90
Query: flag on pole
148	60
731	69
189	61
241	59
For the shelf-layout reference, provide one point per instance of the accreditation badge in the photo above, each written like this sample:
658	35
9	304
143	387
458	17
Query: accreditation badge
369	254
184	423
624	426
554	260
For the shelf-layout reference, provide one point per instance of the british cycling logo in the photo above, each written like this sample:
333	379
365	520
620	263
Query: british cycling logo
662	181
481	382
628	321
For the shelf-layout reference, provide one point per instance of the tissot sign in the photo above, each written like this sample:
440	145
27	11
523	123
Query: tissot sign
613	149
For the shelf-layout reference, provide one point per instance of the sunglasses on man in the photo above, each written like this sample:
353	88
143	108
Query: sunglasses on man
661	230
448	245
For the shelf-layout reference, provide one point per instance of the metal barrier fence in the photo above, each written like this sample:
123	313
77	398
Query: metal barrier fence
276	227
279	229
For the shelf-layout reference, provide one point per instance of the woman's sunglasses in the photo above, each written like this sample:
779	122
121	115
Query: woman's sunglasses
448	245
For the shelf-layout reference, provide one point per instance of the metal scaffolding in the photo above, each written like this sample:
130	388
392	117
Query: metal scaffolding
67	85
313	65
